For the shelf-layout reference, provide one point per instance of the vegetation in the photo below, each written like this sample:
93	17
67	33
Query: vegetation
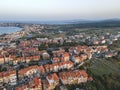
31	63
115	45
105	73
55	45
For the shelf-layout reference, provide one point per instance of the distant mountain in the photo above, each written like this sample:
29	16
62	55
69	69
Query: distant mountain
99	23
83	21
112	19
75	21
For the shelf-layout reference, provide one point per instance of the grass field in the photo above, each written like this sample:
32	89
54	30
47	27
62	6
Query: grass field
101	67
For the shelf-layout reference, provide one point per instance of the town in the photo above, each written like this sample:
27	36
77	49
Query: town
36	59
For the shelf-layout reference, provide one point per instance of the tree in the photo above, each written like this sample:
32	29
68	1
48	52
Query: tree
4	53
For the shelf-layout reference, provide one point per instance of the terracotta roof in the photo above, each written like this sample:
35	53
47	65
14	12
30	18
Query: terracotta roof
83	73
19	88
23	71
6	74
1	74
53	76
37	81
73	74
41	68
90	79
48	66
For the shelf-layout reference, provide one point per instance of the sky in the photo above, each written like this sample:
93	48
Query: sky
58	9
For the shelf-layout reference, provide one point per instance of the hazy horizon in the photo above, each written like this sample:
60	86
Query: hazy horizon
50	10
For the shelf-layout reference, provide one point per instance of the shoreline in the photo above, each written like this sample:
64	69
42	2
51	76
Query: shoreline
9	29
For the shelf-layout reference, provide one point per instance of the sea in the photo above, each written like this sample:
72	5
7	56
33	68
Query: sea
8	30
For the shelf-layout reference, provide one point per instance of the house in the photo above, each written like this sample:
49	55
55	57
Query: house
56	50
41	69
28	58
65	56
53	81
78	49
34	84
22	87
55	67
73	77
28	71
16	60
101	49
83	56
55	60
45	55
47	86
1	59
109	54
47	68
89	54
95	42
8	77
1	79
60	56
36	57
76	59
11	57
103	41
12	77
83	76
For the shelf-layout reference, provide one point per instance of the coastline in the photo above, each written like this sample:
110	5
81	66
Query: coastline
9	29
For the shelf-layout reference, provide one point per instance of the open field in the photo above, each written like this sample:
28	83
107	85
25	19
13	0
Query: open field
101	67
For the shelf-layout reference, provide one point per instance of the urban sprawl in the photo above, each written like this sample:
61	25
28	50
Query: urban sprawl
29	62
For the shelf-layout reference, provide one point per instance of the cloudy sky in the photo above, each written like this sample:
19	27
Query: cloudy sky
58	9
